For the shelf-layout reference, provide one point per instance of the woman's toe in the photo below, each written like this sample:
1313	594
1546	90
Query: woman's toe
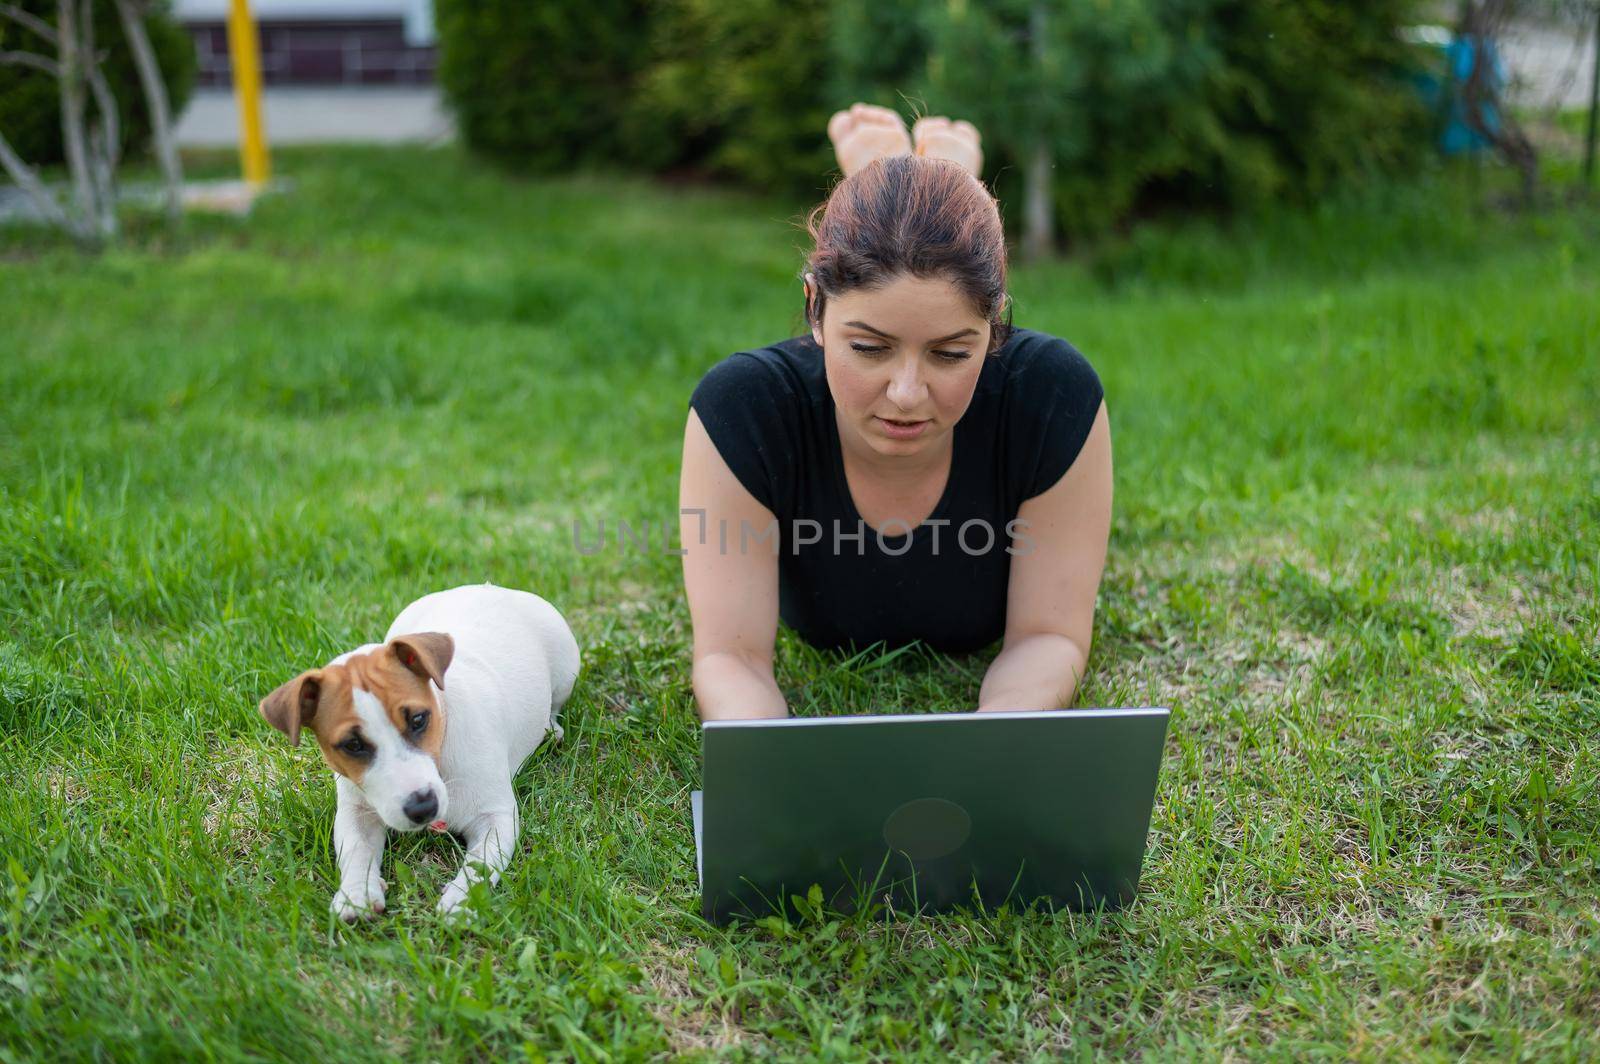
926	127
840	125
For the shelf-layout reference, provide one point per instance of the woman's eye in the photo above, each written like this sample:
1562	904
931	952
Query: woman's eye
948	356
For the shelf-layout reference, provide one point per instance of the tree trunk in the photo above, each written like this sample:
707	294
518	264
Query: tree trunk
73	139
1594	106
89	212
1038	239
105	135
155	96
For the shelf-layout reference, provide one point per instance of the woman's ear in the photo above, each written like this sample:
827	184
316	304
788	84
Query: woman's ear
1000	327
813	318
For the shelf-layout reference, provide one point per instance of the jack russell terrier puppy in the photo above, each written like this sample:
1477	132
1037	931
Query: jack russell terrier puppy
427	728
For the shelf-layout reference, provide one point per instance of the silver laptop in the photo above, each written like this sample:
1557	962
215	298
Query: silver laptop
926	812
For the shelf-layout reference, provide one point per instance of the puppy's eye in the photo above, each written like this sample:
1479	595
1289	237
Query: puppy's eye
354	746
417	721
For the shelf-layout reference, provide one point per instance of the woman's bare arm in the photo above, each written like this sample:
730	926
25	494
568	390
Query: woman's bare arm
1051	595
732	590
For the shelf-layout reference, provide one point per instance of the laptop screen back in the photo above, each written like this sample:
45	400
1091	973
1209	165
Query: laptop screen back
928	811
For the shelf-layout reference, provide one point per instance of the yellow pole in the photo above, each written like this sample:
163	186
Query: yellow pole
244	51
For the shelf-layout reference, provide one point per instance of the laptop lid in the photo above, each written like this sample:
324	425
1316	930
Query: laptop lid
926	811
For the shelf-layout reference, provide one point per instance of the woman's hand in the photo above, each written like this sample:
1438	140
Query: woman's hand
730	686
1039	671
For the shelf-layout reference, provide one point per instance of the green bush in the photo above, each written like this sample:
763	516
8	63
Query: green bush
30	104
1144	104
735	90
1322	86
879	53
740	90
1190	103
546	85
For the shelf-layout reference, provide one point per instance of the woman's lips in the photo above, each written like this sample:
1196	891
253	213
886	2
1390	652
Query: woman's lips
901	430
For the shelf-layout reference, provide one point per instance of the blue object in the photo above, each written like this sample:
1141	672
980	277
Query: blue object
1459	136
1445	93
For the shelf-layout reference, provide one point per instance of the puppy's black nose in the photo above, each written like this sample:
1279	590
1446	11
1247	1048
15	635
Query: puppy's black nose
421	806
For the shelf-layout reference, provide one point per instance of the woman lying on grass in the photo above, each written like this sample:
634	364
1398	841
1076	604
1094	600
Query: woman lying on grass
914	468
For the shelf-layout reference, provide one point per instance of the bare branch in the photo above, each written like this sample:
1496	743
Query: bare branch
109	117
28	180
32	22
1484	23
31	59
132	13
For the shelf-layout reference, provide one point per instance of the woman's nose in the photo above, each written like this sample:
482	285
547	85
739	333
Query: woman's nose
905	386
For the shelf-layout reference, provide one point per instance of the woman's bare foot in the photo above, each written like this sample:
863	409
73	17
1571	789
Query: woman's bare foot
939	138
866	132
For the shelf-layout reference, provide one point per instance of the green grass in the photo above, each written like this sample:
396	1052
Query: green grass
1358	503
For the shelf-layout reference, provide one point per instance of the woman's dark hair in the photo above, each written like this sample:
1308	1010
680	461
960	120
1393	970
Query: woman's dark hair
908	214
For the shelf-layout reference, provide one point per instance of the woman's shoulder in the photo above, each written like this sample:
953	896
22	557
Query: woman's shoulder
1044	397
1036	359
784	362
785	371
760	408
1036	367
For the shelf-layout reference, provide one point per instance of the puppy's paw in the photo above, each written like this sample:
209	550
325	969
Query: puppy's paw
357	905
453	904
467	894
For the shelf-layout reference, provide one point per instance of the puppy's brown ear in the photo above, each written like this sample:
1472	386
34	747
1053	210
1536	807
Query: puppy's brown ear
293	704
427	654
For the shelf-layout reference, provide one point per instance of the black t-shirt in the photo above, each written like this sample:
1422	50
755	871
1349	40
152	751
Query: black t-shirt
771	416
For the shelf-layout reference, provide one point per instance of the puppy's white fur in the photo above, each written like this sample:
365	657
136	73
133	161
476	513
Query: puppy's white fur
514	666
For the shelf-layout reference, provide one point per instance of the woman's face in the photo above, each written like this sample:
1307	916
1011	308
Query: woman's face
902	361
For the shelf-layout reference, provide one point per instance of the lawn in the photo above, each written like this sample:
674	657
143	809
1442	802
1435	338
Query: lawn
1357	509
